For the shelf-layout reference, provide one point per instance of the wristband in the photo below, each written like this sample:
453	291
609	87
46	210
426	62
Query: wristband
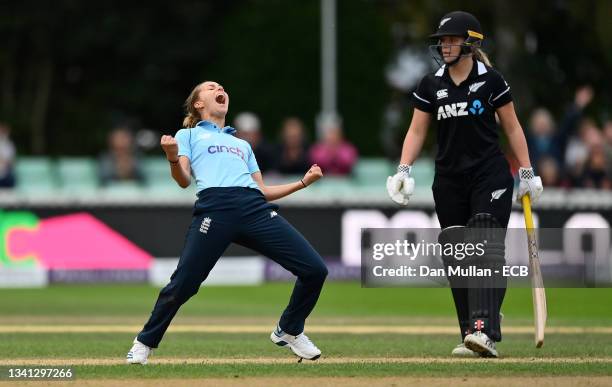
173	162
304	184
526	173
404	168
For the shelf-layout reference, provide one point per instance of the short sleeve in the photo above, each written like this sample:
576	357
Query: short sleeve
251	162
422	96
500	91
183	138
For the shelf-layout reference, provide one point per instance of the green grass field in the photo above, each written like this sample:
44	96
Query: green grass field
365	334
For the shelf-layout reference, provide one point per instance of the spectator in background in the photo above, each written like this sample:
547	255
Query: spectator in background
545	138
595	173
293	149
542	139
607	130
249	129
333	153
7	157
120	162
548	168
578	149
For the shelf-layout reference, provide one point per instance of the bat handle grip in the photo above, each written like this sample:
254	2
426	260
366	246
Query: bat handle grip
527	210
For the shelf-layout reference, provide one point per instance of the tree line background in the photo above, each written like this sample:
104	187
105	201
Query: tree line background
72	70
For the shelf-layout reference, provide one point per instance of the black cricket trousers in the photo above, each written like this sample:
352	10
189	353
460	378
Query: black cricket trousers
241	215
459	197
486	189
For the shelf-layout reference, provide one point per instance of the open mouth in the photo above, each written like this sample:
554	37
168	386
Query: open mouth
220	99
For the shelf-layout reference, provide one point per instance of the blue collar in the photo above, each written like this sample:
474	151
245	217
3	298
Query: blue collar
207	125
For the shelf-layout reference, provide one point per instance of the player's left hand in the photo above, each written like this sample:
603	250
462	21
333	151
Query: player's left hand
530	185
313	174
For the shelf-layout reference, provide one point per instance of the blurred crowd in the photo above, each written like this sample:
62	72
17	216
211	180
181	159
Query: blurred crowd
293	154
572	151
121	161
7	157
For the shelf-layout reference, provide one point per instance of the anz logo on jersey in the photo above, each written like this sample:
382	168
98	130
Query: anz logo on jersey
476	108
460	109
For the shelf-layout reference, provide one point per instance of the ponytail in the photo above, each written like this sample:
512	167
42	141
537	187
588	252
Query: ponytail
481	56
192	115
190	121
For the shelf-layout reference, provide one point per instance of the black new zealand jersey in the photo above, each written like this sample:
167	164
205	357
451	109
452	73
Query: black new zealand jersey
467	131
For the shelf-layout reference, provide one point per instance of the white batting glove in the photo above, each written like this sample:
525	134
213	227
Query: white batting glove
530	184
401	186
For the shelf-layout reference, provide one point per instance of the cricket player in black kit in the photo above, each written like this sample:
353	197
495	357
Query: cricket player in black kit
473	185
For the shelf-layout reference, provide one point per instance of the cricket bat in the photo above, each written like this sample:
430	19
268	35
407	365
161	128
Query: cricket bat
537	284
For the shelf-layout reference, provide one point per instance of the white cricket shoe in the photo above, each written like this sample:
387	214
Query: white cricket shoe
139	353
461	351
481	343
300	345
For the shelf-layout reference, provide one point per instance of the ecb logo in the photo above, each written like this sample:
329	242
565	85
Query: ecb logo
476	108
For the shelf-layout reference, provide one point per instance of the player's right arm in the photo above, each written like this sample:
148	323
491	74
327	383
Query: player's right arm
417	132
400	186
180	166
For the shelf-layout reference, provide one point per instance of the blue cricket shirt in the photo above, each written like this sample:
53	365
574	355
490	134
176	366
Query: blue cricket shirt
218	159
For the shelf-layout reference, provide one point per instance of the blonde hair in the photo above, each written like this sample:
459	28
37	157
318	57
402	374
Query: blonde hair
192	116
481	56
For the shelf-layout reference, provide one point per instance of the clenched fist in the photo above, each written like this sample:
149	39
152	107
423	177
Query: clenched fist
313	174
169	145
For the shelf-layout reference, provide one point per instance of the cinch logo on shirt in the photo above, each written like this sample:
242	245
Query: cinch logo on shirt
223	148
459	109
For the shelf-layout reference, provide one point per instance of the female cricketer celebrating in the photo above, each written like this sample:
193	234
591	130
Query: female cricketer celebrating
473	186
232	206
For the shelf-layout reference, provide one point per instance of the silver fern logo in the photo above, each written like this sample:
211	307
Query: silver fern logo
443	21
497	193
475	86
